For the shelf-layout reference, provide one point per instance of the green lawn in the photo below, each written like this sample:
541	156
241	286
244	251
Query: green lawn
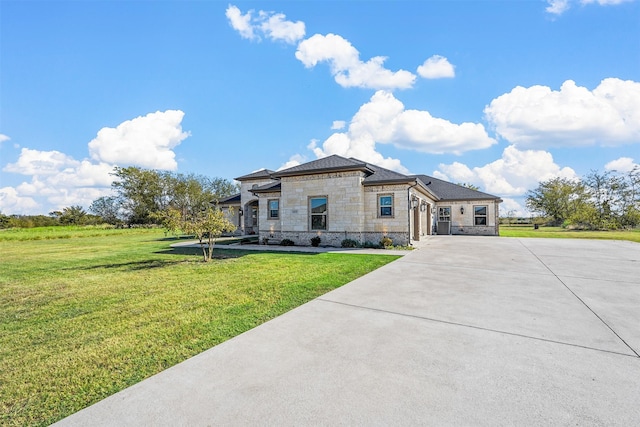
85	313
559	232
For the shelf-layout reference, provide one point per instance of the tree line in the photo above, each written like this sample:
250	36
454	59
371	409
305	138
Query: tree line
142	197
599	201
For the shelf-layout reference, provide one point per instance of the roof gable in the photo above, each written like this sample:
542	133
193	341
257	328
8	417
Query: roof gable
326	164
261	174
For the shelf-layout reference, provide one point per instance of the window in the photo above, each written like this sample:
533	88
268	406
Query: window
480	215
274	208
385	205
444	213
318	208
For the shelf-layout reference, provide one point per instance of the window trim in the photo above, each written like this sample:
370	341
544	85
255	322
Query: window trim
484	216
269	210
442	217
392	206
325	214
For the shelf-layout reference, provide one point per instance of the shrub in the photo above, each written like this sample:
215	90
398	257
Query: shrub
286	242
265	240
370	245
315	241
386	241
349	243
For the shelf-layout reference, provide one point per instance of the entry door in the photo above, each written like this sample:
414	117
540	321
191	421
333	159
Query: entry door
254	216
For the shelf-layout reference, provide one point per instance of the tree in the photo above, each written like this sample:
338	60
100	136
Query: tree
206	225
557	199
107	208
143	194
72	215
140	193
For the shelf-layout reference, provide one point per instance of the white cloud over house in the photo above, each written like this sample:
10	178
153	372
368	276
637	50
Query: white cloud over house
573	116
436	67
58	180
3	138
512	175
385	120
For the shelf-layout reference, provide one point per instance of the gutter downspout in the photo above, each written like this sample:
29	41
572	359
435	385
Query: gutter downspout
409	209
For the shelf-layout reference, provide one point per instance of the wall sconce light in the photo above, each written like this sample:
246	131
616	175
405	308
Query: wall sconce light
462	210
240	212
414	202
423	207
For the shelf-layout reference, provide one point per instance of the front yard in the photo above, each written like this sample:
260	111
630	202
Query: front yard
86	314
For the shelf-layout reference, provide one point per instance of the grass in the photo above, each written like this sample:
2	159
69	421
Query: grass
559	232
84	316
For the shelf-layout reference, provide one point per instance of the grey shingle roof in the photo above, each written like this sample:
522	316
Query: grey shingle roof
442	190
329	163
381	175
262	173
267	188
449	191
230	199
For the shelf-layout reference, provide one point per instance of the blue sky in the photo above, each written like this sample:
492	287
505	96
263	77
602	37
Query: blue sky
501	94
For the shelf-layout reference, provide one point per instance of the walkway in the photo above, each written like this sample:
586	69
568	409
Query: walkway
464	331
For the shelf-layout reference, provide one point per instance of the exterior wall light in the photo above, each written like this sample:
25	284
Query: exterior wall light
462	210
240	212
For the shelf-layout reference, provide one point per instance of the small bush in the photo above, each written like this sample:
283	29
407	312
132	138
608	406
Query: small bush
370	245
386	241
315	241
286	242
265	240
349	243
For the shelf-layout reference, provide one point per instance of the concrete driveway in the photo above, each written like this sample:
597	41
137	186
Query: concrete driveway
464	331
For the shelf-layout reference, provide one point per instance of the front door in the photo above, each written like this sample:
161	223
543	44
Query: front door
254	219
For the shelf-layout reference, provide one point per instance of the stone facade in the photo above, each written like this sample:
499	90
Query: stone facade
357	201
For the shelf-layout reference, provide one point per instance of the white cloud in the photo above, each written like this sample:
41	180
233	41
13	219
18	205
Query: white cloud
59	180
35	162
144	141
295	160
623	164
384	120
346	66
338	124
574	116
512	175
241	23
558	7
11	202
436	67
276	27
272	25
3	138
513	208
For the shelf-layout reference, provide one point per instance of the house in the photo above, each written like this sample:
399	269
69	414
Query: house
339	198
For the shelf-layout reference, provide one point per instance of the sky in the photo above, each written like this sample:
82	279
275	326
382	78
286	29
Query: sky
499	94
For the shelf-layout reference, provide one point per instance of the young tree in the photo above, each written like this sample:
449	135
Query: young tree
206	225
